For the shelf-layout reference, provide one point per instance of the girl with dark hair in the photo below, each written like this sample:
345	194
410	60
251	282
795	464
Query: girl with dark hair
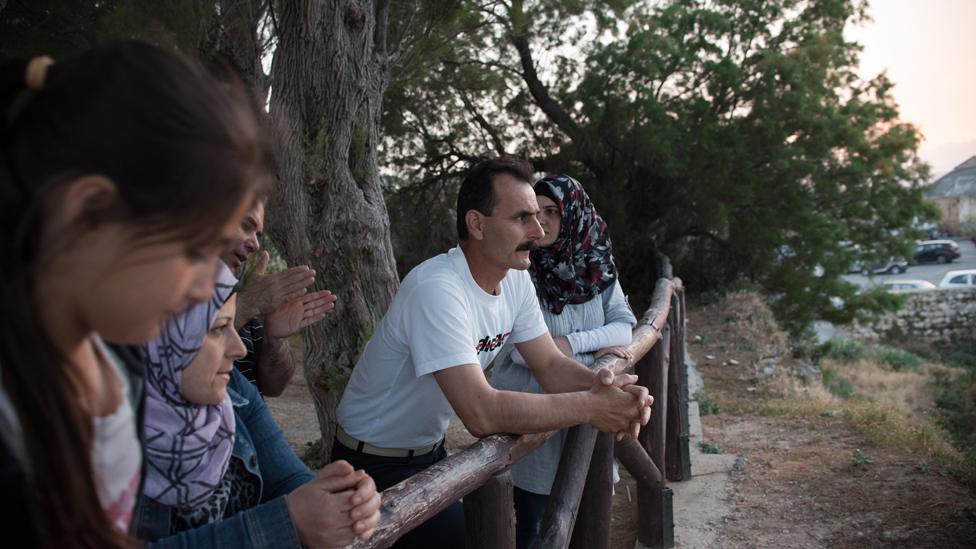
220	472
124	172
586	312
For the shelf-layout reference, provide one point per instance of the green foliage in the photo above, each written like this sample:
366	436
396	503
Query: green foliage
849	349
967	513
61	28
707	405
804	345
844	349
860	460
734	136
709	448
955	395
835	383
961	354
898	359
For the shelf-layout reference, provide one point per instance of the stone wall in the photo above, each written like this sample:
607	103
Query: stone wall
937	315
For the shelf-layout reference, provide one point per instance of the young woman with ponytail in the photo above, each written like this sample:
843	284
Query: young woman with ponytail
124	172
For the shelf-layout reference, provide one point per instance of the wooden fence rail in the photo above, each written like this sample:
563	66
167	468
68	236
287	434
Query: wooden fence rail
579	509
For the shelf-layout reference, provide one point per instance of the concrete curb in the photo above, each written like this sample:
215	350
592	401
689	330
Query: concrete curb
701	503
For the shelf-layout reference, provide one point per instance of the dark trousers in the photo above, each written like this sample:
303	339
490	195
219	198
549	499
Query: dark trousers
530	508
445	529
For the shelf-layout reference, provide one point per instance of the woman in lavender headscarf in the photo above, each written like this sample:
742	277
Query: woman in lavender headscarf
219	470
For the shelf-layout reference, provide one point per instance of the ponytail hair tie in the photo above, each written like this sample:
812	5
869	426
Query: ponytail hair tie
36	72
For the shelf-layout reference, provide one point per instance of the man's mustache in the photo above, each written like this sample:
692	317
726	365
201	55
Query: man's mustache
527	246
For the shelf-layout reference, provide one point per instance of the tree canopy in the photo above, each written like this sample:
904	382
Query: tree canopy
734	136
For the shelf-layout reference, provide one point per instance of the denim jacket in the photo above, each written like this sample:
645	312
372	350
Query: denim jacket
261	445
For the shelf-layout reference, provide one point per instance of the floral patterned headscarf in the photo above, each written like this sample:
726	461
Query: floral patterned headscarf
579	264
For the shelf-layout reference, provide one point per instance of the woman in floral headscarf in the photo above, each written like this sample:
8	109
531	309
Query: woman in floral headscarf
587	315
220	472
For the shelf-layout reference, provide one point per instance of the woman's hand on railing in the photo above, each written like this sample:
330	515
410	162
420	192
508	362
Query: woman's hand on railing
339	505
622	352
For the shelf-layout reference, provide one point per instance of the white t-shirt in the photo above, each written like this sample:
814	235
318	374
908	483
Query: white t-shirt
440	318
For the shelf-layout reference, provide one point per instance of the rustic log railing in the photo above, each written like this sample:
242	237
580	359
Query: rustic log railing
579	507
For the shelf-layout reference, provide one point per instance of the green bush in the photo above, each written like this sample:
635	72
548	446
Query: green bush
706	404
921	349
956	398
961	354
860	460
897	358
707	448
843	349
837	385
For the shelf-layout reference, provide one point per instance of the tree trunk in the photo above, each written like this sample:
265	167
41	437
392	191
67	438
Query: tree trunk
328	77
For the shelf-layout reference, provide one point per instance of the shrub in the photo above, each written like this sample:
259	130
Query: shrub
961	354
707	448
706	404
897	358
843	349
860	459
956	398
837	385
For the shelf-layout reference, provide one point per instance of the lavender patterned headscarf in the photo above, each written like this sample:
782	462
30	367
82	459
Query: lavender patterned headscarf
188	446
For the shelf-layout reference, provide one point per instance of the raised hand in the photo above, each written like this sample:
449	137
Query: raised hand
298	313
262	293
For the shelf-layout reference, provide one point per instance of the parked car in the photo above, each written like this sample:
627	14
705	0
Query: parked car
959	279
939	251
896	265
907	285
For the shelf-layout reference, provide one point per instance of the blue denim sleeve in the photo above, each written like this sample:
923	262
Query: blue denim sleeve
281	470
266	526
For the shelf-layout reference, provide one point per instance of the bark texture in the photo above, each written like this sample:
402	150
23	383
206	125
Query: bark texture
328	78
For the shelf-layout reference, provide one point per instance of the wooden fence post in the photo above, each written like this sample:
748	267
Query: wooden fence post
678	458
567	488
489	516
652	371
684	452
592	530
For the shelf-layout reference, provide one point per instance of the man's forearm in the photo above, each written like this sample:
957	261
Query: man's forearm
275	367
522	413
564	375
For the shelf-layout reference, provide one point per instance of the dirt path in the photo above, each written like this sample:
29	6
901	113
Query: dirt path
817	483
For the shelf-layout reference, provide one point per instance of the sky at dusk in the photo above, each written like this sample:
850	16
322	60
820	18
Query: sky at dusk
928	48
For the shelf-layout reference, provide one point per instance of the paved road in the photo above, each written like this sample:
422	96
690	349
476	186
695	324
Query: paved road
931	272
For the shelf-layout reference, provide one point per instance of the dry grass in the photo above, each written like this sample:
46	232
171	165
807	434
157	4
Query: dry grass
910	391
750	323
892	408
883	423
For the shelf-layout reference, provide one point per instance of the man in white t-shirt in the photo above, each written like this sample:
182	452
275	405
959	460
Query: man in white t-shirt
450	318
